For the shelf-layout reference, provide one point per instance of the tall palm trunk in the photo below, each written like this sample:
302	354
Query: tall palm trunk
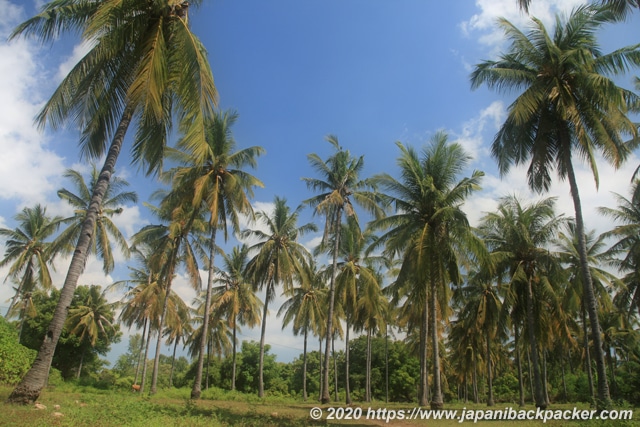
423	398
81	362
143	381
173	362
335	368
320	368
29	388
163	315
490	401
347	391
367	392
304	364
436	400
519	363
263	331
197	387
235	354
326	397
538	396
140	352
587	355
604	399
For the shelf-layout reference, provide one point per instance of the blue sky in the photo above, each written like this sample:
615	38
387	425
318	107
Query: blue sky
370	72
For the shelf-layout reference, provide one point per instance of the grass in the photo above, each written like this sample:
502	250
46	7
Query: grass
91	407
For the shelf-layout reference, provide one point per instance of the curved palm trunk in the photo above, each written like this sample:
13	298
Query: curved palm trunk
538	395
29	388
587	355
197	382
490	401
144	334
604	399
436	400
262	334
326	397
347	391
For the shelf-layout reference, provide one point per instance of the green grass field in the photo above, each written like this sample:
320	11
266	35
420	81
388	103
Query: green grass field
80	406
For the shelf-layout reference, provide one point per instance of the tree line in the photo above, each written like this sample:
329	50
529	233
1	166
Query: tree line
525	283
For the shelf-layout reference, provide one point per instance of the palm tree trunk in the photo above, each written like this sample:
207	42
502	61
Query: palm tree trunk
476	398
490	401
80	367
262	334
304	365
423	398
144	332
320	368
538	396
436	399
545	387
326	397
604	399
564	381
335	368
347	391
386	364
197	388
29	388
367	391
519	363
173	362
144	362
209	345
156	361
233	369
587	355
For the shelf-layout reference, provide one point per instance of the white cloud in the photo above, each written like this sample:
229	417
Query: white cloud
79	51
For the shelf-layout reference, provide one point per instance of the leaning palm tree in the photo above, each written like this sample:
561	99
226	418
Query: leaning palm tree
144	66
304	308
339	186
279	259
91	318
214	179
105	230
568	106
28	252
429	229
235	298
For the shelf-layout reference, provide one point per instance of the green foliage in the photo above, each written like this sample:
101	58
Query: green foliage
15	359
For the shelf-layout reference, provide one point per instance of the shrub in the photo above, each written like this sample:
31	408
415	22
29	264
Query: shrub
15	359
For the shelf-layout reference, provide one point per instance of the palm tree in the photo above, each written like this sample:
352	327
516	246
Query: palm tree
627	214
429	229
144	65
279	259
235	297
480	312
105	230
91	318
339	186
213	178
568	106
28	251
517	237
305	309
620	8
172	245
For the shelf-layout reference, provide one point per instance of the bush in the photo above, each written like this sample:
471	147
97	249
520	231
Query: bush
15	359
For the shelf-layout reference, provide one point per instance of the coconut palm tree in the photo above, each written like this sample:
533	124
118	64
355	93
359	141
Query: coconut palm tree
627	233
569	106
620	8
105	230
305	308
235	297
28	252
429	230
91	318
279	259
214	179
517	237
143	66
339	186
